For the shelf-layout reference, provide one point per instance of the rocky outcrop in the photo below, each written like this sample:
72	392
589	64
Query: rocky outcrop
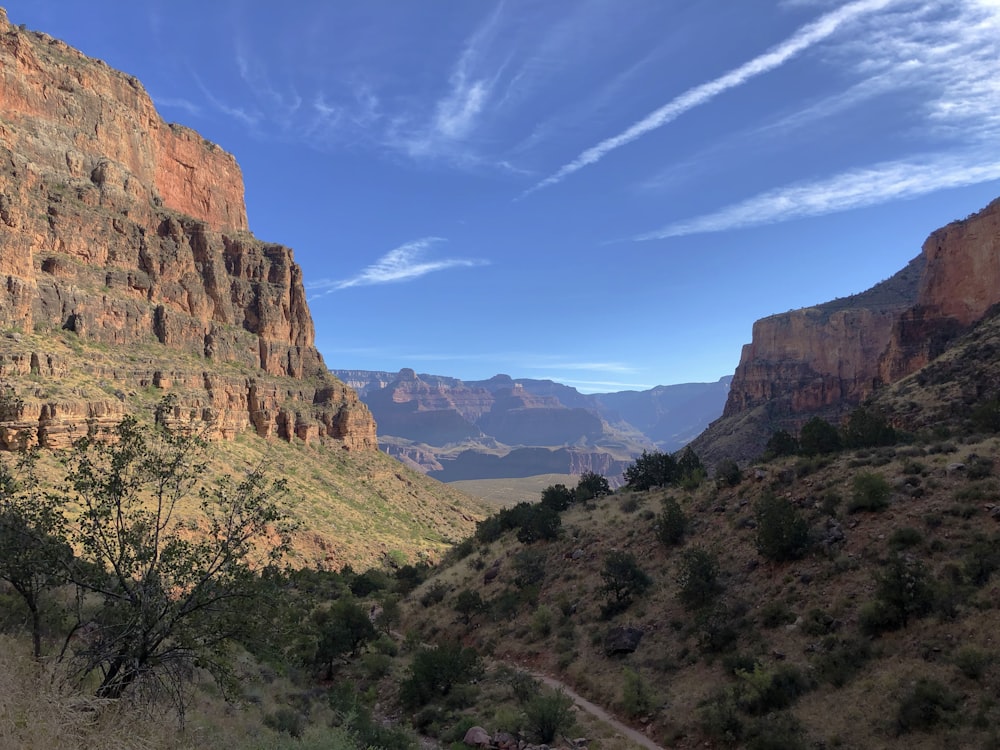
825	360
125	257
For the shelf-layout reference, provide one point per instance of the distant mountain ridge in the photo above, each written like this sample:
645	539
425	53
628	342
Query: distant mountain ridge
506	427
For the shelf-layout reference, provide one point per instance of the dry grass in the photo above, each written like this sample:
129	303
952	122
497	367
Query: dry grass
949	516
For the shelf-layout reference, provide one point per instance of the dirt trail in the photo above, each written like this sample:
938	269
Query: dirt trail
597	712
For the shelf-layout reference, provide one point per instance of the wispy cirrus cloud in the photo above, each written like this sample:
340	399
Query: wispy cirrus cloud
404	263
803	39
946	57
854	189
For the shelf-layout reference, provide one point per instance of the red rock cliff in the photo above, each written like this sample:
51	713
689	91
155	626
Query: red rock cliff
832	356
131	235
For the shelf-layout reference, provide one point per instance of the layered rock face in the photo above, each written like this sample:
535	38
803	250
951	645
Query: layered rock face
130	235
827	359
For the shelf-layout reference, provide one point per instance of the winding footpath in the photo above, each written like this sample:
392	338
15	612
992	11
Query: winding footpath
597	712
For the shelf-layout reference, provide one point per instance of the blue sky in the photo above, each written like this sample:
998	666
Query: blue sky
606	193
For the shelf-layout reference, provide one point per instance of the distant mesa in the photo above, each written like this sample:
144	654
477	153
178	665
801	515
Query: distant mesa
505	427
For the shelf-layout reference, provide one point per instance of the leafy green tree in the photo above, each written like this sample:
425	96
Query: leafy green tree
671	523
558	497
782	532
781	443
689	464
652	469
435	671
867	428
548	715
343	629
728	472
34	554
869	491
540	522
173	594
905	588
469	603
818	437
623	579
698	577
591	485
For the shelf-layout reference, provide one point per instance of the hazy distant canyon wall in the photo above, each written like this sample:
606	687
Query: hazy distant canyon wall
131	234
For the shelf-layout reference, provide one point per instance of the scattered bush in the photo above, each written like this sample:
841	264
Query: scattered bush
818	437
972	662
286	720
774	614
870	492
698	577
548	715
435	671
839	659
637	698
655	469
905	537
763	690
590	486
671	523
469	603
559	497
782	533
781	443
903	591
434	594
924	706
865	428
623	579
728	472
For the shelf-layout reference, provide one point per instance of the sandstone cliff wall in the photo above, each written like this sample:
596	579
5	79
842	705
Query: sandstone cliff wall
131	235
827	359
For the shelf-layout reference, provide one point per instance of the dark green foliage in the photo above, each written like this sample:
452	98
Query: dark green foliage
866	428
654	469
34	554
818	437
533	522
558	497
341	631
763	690
698	576
529	567
719	629
774	614
973	662
408	577
548	715
986	415
591	485
469	603
982	559
623	580
690	468
287	720
781	443
367	583
435	671
168	600
782	532
434	594
978	467
671	523
541	523
839	659
778	731
728	472
903	591
905	537
924	706
869	492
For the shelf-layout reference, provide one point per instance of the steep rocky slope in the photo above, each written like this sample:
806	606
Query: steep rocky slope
128	273
825	360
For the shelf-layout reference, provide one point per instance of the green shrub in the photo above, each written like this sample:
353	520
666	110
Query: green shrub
774	614
671	523
924	706
434	594
866	428
840	659
468	604
818	437
870	492
728	472
782	533
623	580
286	720
905	537
541	622
763	690
637	698
435	671
781	443
591	485
972	662
559	497
698	577
549	714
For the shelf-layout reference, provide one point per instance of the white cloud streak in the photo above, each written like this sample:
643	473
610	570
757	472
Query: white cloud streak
805	37
949	57
404	263
854	189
